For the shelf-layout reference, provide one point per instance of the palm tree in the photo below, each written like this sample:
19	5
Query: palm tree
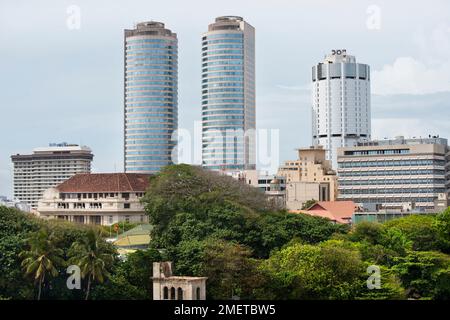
42	258
93	257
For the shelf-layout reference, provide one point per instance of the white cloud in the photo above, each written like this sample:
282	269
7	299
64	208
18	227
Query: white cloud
428	74
410	76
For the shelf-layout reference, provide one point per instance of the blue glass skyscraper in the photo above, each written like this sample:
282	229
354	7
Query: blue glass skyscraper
151	97
228	95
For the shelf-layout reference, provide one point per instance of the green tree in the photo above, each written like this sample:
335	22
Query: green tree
184	188
421	271
394	239
326	271
187	204
442	225
130	279
138	269
308	204
230	270
42	258
15	228
391	287
419	229
366	232
93	257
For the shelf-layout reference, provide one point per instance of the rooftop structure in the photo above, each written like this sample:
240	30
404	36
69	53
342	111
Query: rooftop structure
336	211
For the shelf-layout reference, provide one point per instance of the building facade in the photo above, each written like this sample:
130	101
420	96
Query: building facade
228	95
310	177
274	186
46	168
340	103
166	286
151	97
97	198
402	174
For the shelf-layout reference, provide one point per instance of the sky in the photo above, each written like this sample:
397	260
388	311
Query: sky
61	67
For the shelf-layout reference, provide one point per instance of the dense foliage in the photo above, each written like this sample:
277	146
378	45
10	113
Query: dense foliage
214	226
187	203
23	236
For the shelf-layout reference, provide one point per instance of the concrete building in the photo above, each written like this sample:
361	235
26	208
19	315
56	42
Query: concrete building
151	97
46	168
19	205
228	95
340	103
402	174
169	287
97	198
274	186
309	177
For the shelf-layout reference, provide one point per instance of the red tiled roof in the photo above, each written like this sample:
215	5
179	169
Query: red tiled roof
338	211
105	182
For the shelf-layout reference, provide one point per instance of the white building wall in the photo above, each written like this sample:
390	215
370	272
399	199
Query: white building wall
341	105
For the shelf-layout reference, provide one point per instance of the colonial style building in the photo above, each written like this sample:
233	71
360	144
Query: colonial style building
98	198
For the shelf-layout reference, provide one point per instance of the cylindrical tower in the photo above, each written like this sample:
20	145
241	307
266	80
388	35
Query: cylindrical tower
228	95
151	97
340	103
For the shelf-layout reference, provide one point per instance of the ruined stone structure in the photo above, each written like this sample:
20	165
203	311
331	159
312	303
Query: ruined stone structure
169	287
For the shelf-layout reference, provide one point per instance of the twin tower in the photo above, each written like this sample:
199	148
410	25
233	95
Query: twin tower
341	97
228	96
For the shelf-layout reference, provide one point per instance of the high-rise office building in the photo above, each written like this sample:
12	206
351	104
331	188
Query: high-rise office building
151	97
340	103
228	95
403	174
46	168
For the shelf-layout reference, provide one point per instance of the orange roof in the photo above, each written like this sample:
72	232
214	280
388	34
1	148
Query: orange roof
337	211
105	182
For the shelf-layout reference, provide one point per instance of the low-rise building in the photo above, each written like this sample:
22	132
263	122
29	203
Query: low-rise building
166	286
309	177
97	198
336	211
402	174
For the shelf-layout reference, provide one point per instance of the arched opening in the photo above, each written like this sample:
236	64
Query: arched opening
172	293
197	293
166	293
180	293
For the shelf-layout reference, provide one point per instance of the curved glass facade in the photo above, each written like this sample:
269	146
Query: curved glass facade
151	77
228	95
